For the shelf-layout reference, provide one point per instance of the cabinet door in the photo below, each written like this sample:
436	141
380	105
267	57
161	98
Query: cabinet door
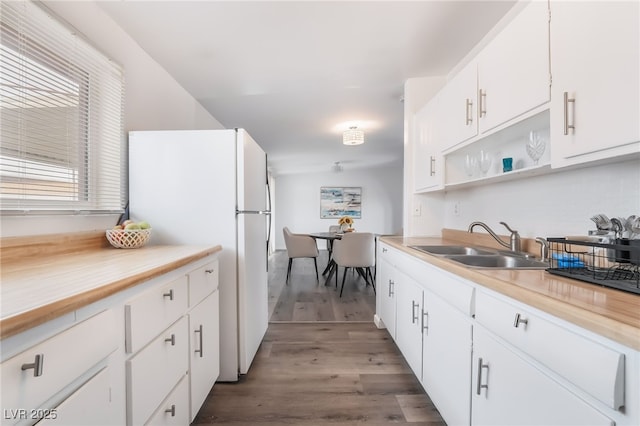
509	390
409	321
428	161
205	349
386	295
595	60
446	359
89	405
513	70
458	107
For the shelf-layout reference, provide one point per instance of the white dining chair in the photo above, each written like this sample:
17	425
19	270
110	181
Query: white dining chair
300	246
355	250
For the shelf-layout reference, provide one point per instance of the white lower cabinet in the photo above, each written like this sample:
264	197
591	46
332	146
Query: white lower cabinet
89	405
37	380
172	332
386	293
509	390
174	410
409	321
486	359
154	371
205	350
446	359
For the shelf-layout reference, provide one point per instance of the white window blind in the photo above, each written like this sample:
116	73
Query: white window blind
61	109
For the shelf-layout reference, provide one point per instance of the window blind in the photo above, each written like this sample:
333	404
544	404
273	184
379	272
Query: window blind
61	109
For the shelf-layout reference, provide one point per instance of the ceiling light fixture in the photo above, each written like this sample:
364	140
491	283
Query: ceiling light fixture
337	167
353	136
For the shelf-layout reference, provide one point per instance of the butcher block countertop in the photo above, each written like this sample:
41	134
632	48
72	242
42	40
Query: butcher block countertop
46	277
608	312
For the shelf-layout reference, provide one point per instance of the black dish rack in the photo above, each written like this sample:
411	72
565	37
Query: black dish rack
615	264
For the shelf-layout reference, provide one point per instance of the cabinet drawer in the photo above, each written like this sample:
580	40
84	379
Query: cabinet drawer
154	371
174	410
589	365
202	282
151	312
89	405
62	359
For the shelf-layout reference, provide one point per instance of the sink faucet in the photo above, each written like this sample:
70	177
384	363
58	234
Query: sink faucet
514	240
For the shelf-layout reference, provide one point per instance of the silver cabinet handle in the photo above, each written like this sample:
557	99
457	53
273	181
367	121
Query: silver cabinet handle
391	284
432	166
519	320
480	386
199	331
568	100
414	314
209	271
469	117
482	98
384	249
171	339
171	410
425	322
37	365
169	295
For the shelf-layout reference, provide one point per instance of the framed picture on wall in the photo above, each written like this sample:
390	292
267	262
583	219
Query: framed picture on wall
336	202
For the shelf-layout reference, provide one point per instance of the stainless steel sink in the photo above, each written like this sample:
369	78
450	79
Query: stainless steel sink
498	262
453	250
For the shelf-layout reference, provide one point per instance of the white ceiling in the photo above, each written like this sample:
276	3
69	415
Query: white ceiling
297	73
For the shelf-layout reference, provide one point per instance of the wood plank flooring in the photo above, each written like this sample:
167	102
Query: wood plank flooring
306	299
322	361
318	373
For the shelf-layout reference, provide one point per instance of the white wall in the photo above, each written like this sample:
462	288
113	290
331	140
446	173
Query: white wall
297	201
153	101
553	205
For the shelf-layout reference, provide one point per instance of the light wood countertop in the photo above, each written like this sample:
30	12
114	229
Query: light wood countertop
40	286
611	313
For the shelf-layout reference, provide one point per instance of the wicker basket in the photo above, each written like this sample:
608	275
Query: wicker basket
128	238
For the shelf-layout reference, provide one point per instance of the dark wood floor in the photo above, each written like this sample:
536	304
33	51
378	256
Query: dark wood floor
322	361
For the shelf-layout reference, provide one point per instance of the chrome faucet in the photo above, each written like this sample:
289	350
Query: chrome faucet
514	240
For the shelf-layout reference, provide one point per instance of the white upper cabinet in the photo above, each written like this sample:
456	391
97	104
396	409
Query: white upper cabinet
513	70
458	107
428	161
595	65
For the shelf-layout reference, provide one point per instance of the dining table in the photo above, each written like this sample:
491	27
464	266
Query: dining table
330	237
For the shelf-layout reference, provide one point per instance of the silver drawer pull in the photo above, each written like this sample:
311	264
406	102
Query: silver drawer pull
480	386
171	339
37	365
425	321
391	284
209	271
199	331
482	99
568	101
169	295
171	410
519	320
469	118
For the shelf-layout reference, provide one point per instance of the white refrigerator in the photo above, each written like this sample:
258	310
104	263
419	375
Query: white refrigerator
210	187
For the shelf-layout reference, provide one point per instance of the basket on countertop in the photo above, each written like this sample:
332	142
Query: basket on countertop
128	238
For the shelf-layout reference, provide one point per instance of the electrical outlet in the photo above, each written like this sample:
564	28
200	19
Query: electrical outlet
417	209
456	208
